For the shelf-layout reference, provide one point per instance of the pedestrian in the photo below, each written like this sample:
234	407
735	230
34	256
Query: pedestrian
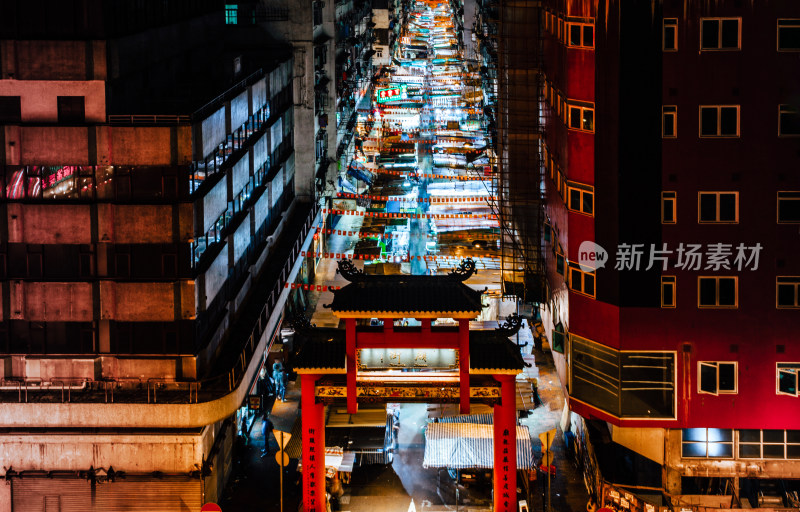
266	431
537	400
281	380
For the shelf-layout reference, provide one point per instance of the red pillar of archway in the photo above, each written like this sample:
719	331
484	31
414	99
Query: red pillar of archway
313	422
463	370
350	349
505	446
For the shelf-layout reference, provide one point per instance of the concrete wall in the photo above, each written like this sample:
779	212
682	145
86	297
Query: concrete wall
240	109
241	239
52	60
212	132
49	223
39	99
214	203
215	276
240	174
261	151
131	453
259	94
54	302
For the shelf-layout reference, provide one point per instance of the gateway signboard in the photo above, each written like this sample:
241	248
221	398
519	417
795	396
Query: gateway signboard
400	358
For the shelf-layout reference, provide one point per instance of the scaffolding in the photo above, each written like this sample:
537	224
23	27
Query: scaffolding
508	43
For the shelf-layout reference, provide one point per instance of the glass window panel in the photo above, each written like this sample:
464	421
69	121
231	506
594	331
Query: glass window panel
787	382
588	35
773	451
669	125
727	207
749	451
588	119
727	377
669	210
786	295
729	121
730	33
575	35
773	436
789	122
708	121
588	203
575	199
708	378
710	30
588	284
789	210
574	117
788	36
693	450
669	37
750	436
793	436
708	292
727	292
694	434
793	451
575	279
720	450
669	294
720	434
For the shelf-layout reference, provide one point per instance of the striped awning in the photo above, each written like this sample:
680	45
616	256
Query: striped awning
470	446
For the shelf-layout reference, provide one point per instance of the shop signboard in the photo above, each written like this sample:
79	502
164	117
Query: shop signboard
254	402
394	93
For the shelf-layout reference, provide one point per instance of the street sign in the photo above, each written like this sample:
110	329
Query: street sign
282	458
254	402
394	93
547	458
283	438
547	439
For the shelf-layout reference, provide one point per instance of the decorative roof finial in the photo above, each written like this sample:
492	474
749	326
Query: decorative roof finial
349	271
464	270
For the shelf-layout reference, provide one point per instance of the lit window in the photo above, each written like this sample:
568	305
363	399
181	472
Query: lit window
581	35
718	207
720	34
581	117
669	125
717	378
669	206
769	444
719	121
788	207
789	35
231	14
717	292
667	291
580	198
788	120
707	443
580	281
787	292
787	378
670	35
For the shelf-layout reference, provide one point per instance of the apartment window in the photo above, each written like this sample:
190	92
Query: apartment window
670	35
581	117
788	207
580	198
668	291
669	124
720	34
717	292
10	110
787	292
559	338
788	120
581	35
789	35
716	378
769	444
718	207
719	121
669	207
787	378
580	281
560	263
231	14
707	443
71	109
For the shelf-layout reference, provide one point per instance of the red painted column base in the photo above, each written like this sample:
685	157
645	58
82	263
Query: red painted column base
505	447
313	424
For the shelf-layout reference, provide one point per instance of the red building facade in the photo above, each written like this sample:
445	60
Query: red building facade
671	129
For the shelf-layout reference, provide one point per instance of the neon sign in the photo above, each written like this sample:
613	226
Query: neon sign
394	93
